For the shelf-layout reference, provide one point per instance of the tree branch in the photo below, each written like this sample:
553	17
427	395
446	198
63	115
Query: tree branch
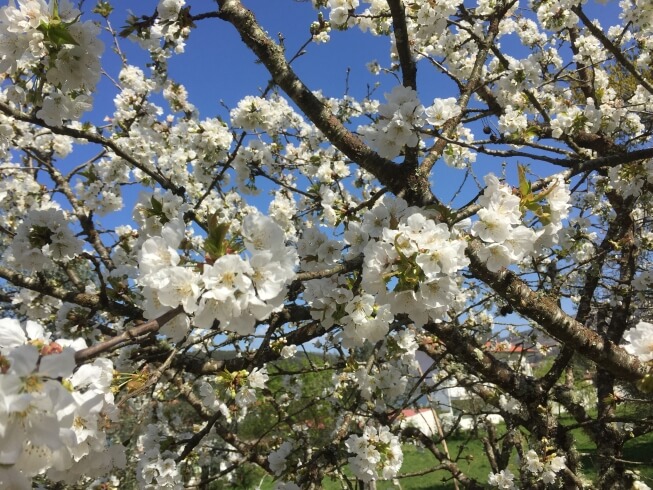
85	218
579	166
93	138
408	67
451	466
464	347
406	61
549	316
87	300
129	335
272	56
614	50
472	85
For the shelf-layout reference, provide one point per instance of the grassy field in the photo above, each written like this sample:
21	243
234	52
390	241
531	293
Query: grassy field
638	452
472	461
417	462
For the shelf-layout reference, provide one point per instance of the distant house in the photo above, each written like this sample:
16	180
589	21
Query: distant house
513	354
452	398
422	419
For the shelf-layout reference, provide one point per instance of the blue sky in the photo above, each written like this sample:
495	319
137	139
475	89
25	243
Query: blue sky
217	67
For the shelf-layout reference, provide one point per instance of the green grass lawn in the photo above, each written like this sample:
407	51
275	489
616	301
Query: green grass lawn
472	461
639	452
419	462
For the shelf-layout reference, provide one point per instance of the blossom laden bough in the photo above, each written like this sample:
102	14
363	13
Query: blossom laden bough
376	454
51	416
50	40
283	282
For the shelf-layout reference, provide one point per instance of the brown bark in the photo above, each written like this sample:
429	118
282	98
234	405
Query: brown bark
554	321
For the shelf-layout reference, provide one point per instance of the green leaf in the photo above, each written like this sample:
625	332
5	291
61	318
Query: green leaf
544	214
157	206
156	211
56	33
542	195
90	175
215	244
531	132
55	11
103	8
646	384
131	27
524	184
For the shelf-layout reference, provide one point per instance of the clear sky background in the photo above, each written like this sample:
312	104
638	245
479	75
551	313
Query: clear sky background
217	66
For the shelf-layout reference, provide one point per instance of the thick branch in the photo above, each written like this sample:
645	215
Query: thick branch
465	348
272	56
549	316
87	300
346	266
582	166
129	335
618	227
408	67
406	61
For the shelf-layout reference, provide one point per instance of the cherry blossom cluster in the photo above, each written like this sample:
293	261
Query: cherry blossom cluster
504	480
52	413
506	239
410	261
49	39
260	114
640	341
410	264
376	454
556	14
156	467
235	290
383	384
397	123
545	471
277	458
42	237
165	36
409	267
402	117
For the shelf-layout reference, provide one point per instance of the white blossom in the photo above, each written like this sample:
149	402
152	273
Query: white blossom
640	341
277	459
503	479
